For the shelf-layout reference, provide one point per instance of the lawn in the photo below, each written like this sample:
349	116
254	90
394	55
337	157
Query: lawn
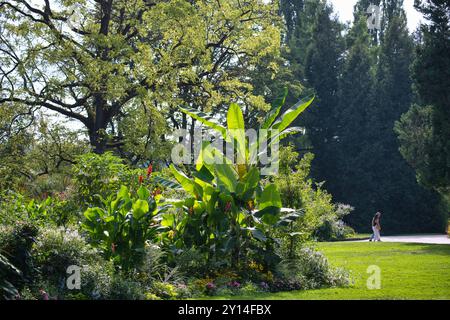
408	271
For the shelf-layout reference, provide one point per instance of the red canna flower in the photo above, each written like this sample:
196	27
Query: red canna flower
141	179
156	192
149	170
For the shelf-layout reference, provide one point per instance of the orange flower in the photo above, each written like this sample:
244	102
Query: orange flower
141	179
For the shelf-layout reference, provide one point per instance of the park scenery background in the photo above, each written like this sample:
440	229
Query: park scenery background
354	117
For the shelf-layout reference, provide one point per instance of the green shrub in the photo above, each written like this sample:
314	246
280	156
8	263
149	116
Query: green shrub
49	211
151	296
156	268
124	287
191	262
16	242
333	227
298	191
308	270
249	289
56	249
12	208
101	175
183	291
164	290
124	225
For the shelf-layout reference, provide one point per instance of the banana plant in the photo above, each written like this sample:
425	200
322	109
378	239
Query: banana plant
124	224
228	205
275	127
8	273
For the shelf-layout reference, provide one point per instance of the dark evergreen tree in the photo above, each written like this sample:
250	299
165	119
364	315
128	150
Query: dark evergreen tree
432	79
291	10
356	99
392	187
363	86
301	37
322	68
371	174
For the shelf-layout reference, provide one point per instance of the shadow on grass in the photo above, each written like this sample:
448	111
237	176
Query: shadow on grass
430	249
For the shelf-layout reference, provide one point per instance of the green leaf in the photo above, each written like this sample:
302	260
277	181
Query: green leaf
236	131
6	265
204	174
143	193
290	115
235	118
250	182
188	185
275	110
123	192
199	207
269	215
91	214
166	183
226	177
211	204
189	202
289	216
267	211
207	157
140	208
168	220
280	136
175	202
270	197
206	119
257	234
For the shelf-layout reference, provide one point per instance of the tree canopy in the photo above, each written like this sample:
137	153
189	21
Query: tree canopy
91	60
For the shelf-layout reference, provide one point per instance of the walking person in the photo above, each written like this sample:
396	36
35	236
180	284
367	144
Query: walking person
376	227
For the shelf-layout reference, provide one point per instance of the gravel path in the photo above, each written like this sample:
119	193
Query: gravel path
421	238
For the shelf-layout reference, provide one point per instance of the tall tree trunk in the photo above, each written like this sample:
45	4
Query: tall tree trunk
97	130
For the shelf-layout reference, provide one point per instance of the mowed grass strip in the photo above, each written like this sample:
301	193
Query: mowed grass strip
408	271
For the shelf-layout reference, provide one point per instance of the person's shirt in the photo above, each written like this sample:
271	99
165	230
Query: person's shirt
375	221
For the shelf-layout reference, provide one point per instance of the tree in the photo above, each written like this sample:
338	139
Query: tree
356	100
431	73
90	60
374	90
415	134
291	11
391	187
322	69
361	7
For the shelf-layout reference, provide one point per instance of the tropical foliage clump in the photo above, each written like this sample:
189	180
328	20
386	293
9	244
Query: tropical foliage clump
220	234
